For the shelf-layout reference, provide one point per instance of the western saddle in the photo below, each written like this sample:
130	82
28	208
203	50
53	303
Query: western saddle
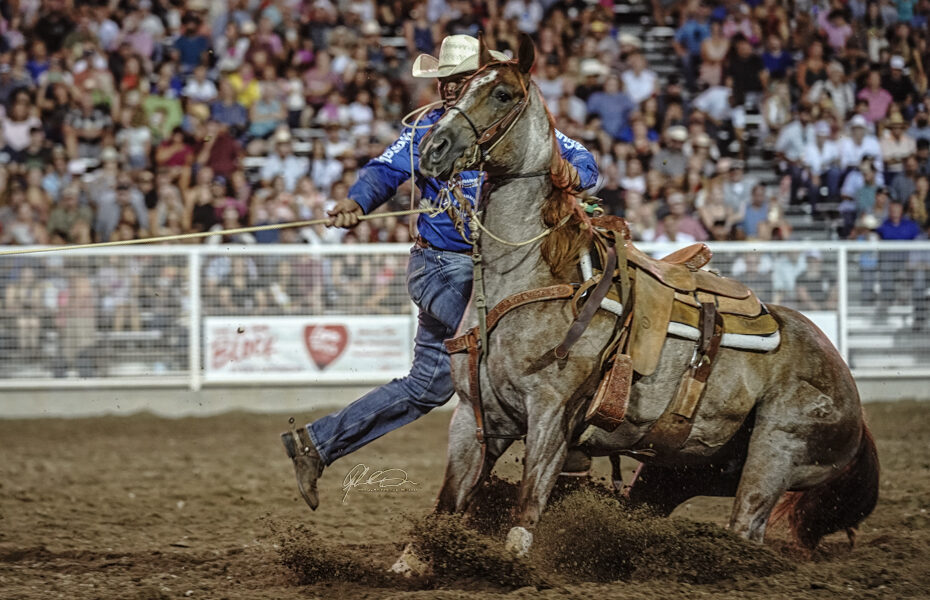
653	293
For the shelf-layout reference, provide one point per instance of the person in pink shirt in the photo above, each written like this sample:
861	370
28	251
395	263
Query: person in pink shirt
879	99
834	26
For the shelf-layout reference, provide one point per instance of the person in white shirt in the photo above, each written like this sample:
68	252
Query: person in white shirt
822	162
199	88
282	162
638	81
858	144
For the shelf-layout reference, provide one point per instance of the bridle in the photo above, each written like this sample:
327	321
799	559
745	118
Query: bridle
477	153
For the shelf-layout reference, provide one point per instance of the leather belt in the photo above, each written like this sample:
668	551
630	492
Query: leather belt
422	243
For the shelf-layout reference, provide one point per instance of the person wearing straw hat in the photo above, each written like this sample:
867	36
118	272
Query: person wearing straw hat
439	275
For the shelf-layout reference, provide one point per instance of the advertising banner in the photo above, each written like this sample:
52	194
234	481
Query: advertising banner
317	349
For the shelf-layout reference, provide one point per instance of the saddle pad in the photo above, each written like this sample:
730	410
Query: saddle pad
652	311
761	324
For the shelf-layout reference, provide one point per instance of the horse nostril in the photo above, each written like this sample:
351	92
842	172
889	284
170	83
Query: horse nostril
440	147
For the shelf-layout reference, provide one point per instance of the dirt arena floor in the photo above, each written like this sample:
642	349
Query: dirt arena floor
150	508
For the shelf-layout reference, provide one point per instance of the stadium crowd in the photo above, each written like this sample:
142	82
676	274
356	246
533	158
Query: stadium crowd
136	118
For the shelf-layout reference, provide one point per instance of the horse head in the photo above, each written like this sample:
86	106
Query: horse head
490	126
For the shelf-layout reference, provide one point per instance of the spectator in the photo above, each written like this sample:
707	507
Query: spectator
816	286
822	161
612	105
714	50
900	87
896	147
86	129
905	183
191	46
70	221
859	144
746	71
877	97
283	162
671	160
688	40
639	82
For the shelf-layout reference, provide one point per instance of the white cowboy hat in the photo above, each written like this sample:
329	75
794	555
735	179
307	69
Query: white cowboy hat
457	54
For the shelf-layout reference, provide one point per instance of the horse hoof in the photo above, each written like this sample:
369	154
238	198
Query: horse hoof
409	564
519	540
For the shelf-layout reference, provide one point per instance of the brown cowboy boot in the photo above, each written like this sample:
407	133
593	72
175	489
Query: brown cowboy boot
307	463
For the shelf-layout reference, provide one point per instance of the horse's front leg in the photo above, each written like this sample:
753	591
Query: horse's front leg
546	449
468	463
467	467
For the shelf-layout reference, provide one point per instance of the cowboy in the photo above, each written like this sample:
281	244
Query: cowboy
439	279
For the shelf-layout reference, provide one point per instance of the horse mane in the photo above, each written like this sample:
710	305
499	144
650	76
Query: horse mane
561	248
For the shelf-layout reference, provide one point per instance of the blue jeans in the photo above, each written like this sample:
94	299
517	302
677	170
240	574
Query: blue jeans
440	285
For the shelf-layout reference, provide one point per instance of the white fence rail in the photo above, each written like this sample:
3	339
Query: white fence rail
201	315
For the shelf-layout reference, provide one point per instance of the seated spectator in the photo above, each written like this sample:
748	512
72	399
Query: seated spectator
737	188
920	128
671	161
199	88
901	87
639	82
191	46
612	105
267	114
812	69
134	138
747	71
755	214
175	154
685	224
70	222
877	98
714	50
816	286
822	162
905	183
220	150
859	144
896	147
836	89
228	111
775	59
283	162
86	129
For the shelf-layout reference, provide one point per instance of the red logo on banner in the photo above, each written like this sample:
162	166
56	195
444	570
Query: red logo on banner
325	343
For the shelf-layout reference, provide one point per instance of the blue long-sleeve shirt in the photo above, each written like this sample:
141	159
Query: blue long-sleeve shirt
379	179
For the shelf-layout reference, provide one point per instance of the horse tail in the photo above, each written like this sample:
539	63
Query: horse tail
840	503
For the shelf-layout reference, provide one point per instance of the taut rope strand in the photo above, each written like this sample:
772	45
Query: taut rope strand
203	234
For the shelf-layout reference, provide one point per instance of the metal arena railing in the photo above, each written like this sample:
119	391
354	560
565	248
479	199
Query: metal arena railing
192	315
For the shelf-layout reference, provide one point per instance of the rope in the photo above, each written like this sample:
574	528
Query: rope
204	234
420	113
547	231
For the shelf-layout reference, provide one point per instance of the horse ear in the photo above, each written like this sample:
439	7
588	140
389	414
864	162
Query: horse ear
484	54
526	54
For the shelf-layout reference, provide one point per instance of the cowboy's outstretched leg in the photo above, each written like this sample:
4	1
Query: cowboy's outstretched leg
440	283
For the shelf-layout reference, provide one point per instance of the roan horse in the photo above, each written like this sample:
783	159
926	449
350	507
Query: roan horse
784	421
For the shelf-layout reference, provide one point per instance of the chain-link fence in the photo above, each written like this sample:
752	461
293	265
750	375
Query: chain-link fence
179	315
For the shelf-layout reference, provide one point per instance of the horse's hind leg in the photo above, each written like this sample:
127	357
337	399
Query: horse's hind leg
766	476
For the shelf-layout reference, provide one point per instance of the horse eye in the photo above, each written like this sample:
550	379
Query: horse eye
503	96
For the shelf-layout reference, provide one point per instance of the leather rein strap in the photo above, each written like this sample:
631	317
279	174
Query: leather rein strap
593	302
